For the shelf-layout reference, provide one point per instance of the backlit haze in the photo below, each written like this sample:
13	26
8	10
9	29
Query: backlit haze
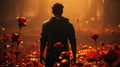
88	17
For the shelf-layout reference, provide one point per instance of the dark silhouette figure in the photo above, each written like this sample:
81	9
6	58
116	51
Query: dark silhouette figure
56	29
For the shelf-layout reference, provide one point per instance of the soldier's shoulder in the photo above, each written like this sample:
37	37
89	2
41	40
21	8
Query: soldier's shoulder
65	19
46	22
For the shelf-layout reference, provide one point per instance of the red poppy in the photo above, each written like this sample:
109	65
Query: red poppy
101	55
33	44
22	21
91	56
65	55
94	36
102	43
4	38
10	36
109	43
58	46
38	41
119	46
19	40
83	43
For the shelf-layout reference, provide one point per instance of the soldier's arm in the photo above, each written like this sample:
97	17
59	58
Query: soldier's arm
43	41
72	41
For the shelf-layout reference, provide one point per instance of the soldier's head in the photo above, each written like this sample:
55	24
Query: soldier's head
57	9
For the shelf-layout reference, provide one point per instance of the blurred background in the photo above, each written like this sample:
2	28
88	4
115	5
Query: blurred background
89	17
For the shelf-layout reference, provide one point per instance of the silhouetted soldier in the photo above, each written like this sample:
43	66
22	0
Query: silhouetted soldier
56	29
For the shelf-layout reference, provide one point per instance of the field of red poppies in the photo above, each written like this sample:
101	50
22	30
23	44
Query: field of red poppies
97	54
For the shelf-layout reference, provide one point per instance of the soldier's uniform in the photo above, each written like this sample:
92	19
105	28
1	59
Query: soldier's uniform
53	31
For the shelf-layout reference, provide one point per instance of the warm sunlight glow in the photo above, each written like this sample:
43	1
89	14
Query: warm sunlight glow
103	1
73	8
84	10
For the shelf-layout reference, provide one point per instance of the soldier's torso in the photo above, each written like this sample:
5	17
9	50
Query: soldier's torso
57	31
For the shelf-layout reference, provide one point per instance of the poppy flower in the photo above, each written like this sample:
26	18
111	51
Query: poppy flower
94	37
21	22
109	43
102	43
10	36
65	55
4	38
21	19
19	40
33	45
83	43
92	56
38	41
58	46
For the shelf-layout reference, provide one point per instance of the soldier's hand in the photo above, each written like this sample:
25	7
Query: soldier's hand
41	60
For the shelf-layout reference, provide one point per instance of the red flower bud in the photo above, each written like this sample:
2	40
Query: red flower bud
94	37
10	36
58	46
22	21
4	38
19	40
65	55
102	43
